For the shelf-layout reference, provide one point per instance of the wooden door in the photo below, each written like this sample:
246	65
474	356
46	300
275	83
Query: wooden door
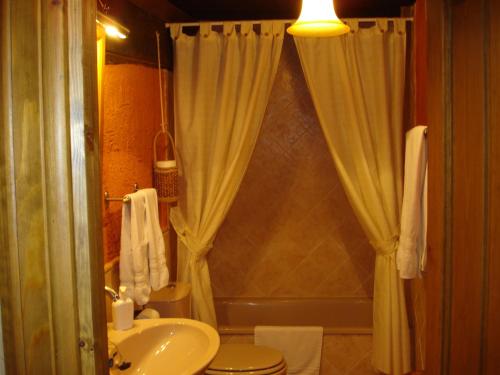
463	283
51	266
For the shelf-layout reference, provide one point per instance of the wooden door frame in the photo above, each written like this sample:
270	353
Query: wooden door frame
51	261
463	331
440	184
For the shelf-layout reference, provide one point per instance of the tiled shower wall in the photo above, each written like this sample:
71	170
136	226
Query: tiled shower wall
291	231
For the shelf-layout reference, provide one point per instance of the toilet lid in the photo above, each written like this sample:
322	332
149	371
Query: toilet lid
245	357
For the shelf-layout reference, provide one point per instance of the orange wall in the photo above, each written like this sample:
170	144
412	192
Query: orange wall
131	118
291	231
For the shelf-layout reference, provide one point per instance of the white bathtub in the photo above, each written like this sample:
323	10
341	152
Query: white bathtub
239	316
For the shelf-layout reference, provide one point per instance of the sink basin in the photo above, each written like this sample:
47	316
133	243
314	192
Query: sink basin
165	346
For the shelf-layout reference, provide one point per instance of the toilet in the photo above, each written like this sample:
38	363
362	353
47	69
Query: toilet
247	359
174	301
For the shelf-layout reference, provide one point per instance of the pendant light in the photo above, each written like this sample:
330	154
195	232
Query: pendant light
318	19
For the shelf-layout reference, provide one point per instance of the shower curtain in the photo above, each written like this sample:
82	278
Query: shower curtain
357	85
222	82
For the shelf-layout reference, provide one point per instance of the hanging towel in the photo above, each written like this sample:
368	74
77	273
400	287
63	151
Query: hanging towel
142	249
134	270
411	255
158	272
301	346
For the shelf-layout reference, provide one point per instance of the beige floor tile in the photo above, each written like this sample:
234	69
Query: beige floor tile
364	367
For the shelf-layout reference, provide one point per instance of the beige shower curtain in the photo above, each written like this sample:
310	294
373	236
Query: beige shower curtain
222	82
357	85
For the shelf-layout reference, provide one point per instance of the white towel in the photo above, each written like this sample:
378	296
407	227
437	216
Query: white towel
134	270
412	249
301	346
142	249
158	272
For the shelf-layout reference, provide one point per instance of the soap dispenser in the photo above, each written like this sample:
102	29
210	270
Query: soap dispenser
122	311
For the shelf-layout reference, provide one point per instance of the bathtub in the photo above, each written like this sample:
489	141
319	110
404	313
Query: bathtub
350	316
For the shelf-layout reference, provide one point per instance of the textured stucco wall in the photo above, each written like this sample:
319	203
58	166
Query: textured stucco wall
291	231
131	118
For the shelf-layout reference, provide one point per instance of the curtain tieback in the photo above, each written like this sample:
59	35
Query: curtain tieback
197	250
386	247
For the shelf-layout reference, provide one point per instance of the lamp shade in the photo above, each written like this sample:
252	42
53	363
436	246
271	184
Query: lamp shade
318	19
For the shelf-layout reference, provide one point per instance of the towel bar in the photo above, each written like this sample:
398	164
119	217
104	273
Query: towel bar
124	199
107	198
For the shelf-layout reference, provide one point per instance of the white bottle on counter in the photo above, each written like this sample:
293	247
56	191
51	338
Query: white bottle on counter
122	311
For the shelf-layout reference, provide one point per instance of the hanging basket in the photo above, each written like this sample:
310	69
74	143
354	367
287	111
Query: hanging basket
165	172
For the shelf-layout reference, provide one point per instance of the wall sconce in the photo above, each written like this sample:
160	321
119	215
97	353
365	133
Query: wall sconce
112	28
318	19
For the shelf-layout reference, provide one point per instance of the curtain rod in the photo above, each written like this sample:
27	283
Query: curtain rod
258	22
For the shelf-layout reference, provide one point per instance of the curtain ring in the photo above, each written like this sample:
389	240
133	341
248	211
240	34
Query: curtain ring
383	24
205	29
266	28
228	28
278	28
353	25
245	28
175	30
400	26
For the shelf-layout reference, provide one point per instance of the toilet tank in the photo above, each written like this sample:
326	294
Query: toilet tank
173	301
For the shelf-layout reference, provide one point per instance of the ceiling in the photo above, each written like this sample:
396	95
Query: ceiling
145	17
180	10
282	9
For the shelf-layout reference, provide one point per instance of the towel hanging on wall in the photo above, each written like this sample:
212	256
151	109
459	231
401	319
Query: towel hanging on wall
411	255
142	249
301	346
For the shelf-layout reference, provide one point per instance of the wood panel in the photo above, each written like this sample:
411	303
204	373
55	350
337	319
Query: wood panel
9	271
57	186
28	171
438	125
86	192
469	325
50	259
469	184
421	62
491	356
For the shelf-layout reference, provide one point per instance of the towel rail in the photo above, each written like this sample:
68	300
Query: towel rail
107	198
124	199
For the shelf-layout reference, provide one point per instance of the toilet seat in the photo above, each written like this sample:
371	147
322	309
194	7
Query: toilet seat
247	359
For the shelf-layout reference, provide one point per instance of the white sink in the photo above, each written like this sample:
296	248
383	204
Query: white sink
165	346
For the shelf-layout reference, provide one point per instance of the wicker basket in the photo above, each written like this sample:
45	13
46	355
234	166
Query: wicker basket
165	172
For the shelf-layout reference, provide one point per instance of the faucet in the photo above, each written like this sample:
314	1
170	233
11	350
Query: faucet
115	358
112	293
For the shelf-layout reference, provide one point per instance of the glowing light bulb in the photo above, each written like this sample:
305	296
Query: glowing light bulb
318	19
112	28
113	32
